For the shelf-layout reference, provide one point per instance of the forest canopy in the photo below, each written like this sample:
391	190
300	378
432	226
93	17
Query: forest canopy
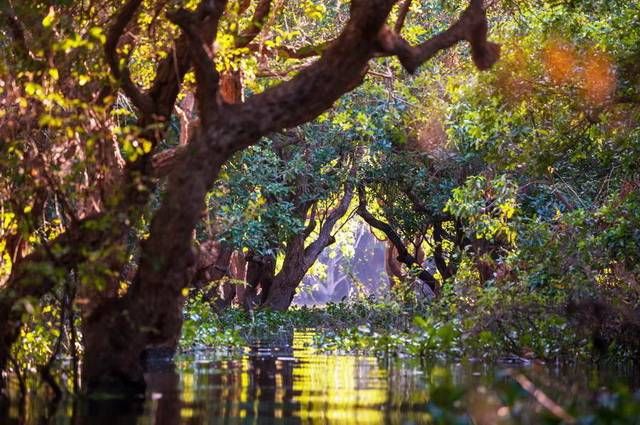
157	154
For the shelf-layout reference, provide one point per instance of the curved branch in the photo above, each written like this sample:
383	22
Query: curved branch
344	63
141	100
257	23
472	27
402	16
325	238
340	69
403	254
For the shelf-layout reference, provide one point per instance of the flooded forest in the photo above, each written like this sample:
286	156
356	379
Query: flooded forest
319	212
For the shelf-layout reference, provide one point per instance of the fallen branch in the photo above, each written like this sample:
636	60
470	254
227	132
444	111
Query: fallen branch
542	398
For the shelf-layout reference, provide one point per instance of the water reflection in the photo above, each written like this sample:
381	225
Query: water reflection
294	384
290	383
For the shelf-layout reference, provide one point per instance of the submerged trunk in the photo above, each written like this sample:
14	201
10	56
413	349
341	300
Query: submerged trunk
124	334
147	321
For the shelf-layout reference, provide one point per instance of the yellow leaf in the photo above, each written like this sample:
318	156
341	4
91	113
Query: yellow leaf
98	34
50	18
53	72
146	146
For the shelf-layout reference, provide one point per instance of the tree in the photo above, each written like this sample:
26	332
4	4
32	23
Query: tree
124	328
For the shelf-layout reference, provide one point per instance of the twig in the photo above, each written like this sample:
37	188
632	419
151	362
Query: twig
542	398
21	383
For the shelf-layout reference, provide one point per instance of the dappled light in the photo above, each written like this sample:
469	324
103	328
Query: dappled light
432	139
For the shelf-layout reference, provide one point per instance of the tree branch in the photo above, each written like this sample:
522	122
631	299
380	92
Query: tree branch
141	100
403	254
257	23
472	27
343	65
325	238
402	16
340	69
438	253
174	67
207	78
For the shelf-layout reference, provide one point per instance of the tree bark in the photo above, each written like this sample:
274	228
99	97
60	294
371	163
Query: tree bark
298	259
260	276
438	254
148	319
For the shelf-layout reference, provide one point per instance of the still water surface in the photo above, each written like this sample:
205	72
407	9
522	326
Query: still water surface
291	383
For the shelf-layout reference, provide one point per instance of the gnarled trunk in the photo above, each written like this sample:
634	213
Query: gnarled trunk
148	319
295	266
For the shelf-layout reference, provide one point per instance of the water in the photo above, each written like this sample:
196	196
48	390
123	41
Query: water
291	383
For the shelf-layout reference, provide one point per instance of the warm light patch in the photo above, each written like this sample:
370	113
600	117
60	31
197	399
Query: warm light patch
430	138
598	78
560	61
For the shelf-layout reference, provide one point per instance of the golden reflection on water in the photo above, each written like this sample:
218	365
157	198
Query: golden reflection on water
298	385
290	383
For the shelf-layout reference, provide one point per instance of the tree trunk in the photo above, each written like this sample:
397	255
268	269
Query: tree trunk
438	253
228	289
231	86
286	282
393	267
147	322
403	254
148	319
260	275
298	259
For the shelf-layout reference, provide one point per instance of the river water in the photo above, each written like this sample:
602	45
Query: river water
292	383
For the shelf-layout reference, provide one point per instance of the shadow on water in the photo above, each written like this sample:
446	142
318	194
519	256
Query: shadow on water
290	383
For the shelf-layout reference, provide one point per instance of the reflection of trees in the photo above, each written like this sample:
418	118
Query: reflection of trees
257	386
162	406
271	385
